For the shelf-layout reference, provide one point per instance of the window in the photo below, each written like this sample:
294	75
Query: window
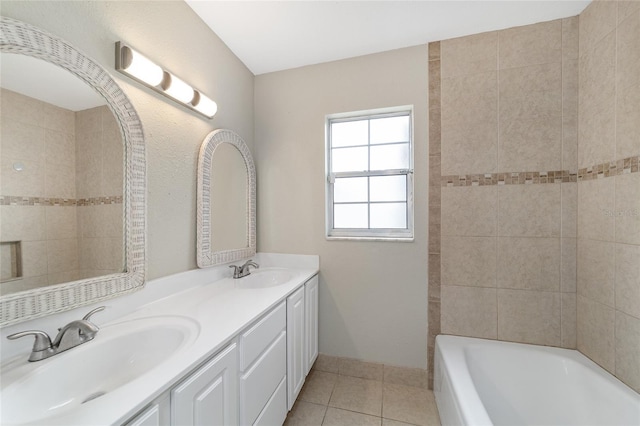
369	175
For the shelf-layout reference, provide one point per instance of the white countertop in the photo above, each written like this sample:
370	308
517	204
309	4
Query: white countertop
219	307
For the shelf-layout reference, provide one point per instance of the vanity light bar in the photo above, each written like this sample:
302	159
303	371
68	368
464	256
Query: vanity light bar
140	68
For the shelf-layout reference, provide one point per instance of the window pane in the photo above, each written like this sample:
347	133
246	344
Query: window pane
349	133
350	216
349	159
392	129
388	188
389	215
390	157
350	190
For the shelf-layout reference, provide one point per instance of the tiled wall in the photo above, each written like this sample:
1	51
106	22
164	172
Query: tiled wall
41	206
608	261
99	157
508	109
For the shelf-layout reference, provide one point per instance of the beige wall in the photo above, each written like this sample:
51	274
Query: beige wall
609	188
170	33
373	295
508	185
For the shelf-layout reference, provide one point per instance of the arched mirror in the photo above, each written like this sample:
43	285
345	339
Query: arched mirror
72	179
226	222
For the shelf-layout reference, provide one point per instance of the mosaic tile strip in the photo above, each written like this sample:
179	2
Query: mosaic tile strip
11	200
602	170
613	168
517	178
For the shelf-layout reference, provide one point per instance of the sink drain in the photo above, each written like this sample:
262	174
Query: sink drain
93	396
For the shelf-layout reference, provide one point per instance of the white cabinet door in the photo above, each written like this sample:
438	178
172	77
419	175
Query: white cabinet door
311	321
156	414
296	359
210	395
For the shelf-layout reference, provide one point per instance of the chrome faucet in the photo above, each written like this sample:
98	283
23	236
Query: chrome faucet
71	335
243	271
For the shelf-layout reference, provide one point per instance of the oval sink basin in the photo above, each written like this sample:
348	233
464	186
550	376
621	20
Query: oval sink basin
264	278
119	354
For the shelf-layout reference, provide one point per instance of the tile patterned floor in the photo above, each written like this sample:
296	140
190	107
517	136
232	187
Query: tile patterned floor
352	393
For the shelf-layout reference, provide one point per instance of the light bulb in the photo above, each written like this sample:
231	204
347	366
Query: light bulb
206	106
142	68
179	90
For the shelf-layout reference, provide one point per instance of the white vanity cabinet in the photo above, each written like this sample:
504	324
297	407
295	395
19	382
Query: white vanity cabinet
263	370
156	414
302	336
311	321
209	395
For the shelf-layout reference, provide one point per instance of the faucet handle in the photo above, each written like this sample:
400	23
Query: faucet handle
96	310
42	342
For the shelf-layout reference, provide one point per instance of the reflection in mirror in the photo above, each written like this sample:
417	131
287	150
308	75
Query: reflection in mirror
105	228
226	222
228	199
61	179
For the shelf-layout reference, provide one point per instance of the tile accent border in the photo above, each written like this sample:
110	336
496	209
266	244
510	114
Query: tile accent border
11	200
435	209
598	171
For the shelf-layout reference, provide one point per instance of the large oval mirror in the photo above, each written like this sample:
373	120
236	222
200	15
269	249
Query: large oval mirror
72	179
226	200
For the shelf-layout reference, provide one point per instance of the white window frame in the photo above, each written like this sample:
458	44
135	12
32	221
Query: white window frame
375	234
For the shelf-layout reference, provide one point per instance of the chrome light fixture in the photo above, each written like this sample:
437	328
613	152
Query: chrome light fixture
140	68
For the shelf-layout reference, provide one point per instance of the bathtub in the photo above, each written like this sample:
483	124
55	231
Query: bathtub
487	382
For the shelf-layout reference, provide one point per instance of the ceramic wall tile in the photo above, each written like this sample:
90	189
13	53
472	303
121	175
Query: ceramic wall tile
469	123
471	54
628	53
34	258
469	211
529	210
25	223
469	311
529	317
62	222
531	118
596	220
569	194
569	317
570	37
627	208
627	279
570	114
596	331
628	120
596	21
628	350
597	103
19	108
529	263
469	261
62	255
568	268
530	45
596	271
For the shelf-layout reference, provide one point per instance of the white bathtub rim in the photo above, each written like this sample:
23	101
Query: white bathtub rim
471	408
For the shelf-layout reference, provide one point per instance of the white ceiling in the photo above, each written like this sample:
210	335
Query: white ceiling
47	82
276	35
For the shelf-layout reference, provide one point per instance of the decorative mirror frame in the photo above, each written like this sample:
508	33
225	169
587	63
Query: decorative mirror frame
21	38
205	256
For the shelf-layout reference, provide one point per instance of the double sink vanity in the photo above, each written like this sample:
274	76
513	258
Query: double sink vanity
216	351
207	346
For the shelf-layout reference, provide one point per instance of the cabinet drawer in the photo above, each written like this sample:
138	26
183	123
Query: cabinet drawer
255	340
276	410
258	384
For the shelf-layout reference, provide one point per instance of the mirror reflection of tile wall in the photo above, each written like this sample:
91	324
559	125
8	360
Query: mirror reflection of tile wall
65	205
